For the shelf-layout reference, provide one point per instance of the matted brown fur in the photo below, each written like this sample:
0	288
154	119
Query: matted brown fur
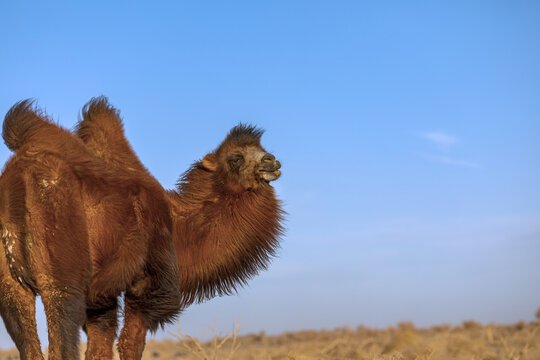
78	233
226	217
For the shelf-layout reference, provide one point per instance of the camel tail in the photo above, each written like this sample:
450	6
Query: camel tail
19	122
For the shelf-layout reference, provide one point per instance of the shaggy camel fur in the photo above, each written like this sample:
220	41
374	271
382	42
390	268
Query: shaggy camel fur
78	233
226	224
226	218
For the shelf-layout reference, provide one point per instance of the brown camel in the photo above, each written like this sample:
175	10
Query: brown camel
227	220
78	233
226	223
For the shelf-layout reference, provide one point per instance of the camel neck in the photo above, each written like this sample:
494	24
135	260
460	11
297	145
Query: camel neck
221	240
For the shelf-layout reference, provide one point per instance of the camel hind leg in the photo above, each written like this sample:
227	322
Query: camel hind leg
17	300
18	309
61	264
65	316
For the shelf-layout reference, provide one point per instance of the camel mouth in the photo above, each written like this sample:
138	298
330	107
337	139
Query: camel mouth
269	168
270	175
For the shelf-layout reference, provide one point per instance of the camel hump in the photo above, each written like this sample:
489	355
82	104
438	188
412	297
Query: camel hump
20	121
102	132
98	113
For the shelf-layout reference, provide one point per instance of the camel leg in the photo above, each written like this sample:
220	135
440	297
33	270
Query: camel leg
18	309
100	327
133	337
140	315
61	261
65	315
151	301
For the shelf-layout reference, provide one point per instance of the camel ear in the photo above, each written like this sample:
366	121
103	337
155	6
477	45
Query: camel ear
209	162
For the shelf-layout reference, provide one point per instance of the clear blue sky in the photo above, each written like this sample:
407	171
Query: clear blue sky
409	133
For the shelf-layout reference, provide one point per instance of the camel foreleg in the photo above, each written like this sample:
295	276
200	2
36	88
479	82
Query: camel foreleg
133	337
100	328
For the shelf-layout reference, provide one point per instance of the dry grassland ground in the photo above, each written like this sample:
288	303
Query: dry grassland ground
467	341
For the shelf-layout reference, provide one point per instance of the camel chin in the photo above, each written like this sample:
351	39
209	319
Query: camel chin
270	175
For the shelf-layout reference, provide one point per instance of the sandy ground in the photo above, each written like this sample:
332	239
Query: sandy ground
470	340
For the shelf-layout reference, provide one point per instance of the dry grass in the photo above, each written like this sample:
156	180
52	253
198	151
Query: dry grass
470	340
216	349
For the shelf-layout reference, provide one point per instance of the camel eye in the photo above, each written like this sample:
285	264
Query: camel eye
235	161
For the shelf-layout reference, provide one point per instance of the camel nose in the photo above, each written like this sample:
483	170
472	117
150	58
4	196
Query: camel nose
268	158
269	163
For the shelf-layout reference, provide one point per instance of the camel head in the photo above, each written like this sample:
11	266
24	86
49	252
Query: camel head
240	162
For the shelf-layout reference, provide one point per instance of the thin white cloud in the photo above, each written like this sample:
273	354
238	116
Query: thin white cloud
451	161
440	138
443	142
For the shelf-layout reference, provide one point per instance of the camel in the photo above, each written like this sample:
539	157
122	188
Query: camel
78	233
226	217
226	223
